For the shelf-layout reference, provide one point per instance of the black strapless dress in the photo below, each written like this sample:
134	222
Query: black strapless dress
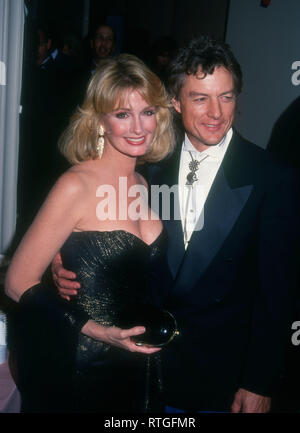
80	374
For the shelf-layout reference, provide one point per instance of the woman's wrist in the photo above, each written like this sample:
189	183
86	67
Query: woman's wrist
93	330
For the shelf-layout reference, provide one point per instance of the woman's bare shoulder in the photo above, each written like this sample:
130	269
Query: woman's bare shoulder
66	200
71	183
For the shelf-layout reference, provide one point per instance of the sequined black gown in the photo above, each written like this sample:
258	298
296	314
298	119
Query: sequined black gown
67	371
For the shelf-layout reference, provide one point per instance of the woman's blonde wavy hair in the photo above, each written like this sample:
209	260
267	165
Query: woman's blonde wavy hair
107	91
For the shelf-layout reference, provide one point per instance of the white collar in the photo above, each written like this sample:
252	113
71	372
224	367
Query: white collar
54	54
46	60
215	151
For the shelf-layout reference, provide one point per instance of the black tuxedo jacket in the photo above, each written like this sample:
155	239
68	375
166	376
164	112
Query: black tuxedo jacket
232	286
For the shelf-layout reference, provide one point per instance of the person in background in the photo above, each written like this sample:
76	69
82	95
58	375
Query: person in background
162	52
99	46
102	44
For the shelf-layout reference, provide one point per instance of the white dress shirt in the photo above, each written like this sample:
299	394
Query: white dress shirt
192	198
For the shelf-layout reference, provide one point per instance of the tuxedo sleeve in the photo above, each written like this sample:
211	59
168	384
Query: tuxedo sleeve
278	243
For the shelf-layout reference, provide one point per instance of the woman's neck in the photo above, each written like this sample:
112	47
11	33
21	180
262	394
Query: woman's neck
118	163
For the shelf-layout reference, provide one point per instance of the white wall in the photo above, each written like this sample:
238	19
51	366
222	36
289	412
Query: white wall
266	42
11	52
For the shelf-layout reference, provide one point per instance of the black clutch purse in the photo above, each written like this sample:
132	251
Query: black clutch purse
161	326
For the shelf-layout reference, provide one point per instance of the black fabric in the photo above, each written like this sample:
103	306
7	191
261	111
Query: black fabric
235	285
45	340
62	370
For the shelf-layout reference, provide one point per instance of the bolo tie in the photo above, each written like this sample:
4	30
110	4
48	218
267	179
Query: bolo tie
191	178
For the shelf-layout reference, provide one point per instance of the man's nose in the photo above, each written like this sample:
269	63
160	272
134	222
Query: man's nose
215	109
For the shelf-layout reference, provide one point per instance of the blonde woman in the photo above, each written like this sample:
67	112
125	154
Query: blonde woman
71	357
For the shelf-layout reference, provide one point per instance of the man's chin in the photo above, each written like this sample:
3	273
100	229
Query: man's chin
213	141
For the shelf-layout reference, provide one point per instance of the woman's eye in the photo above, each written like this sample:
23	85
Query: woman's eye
149	112
121	115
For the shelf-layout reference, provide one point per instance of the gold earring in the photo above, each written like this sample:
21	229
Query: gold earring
100	145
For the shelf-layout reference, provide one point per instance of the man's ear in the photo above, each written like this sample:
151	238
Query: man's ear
176	105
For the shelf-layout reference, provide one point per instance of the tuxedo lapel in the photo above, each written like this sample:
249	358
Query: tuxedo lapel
223	206
173	224
167	173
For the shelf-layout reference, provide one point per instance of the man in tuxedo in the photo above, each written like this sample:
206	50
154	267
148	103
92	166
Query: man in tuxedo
231	255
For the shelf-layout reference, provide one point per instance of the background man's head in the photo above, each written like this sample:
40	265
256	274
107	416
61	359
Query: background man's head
204	81
102	42
44	44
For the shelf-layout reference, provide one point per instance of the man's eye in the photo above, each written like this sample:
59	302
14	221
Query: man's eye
200	100
228	98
